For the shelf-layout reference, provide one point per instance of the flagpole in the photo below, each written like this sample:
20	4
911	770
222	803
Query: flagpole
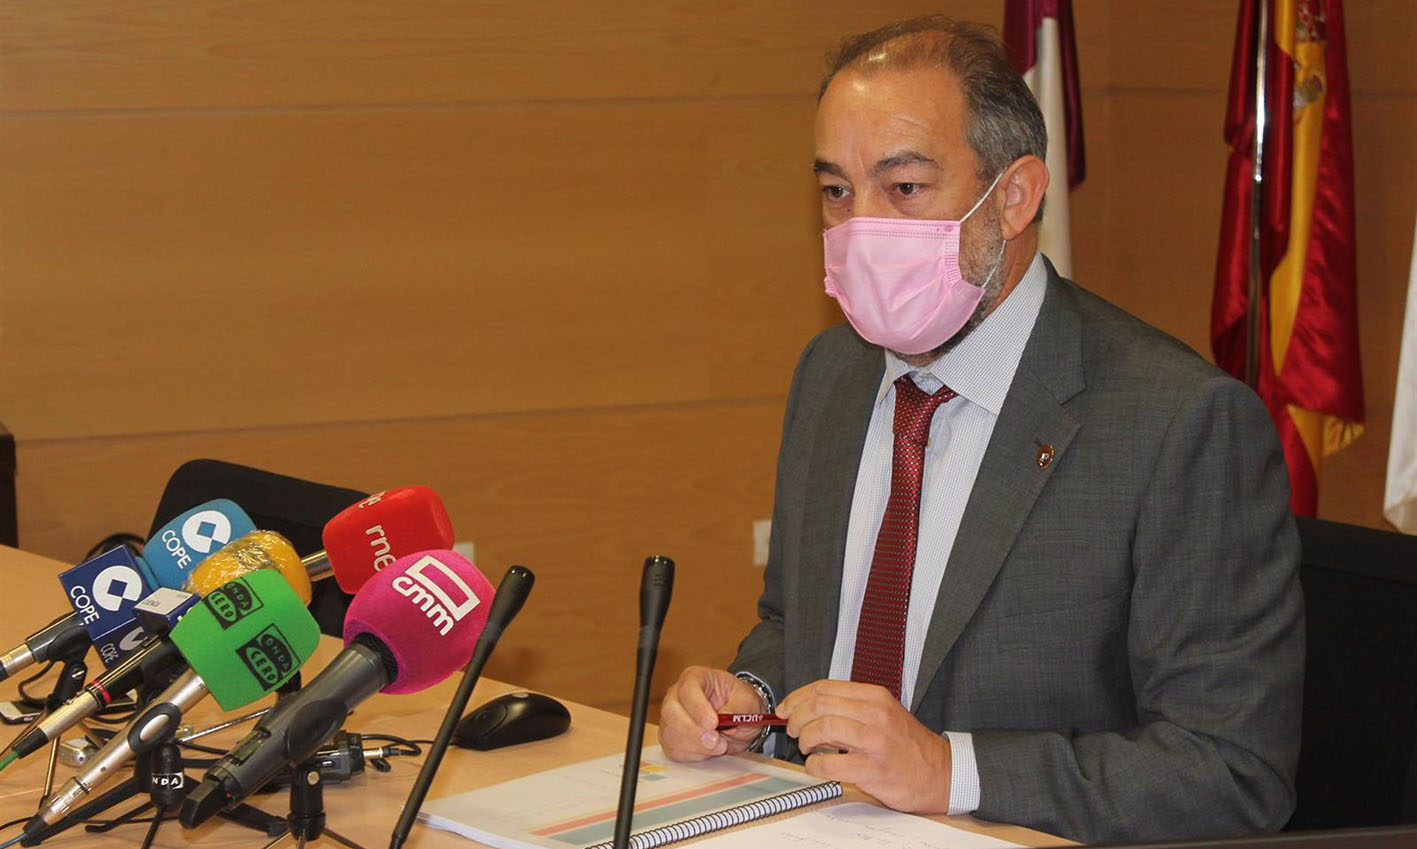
1252	312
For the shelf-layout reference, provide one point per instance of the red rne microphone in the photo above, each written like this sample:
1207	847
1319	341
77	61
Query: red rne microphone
369	536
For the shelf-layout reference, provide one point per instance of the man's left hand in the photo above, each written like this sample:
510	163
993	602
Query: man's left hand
884	749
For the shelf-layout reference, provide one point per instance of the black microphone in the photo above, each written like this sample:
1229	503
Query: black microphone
343	758
154	658
656	586
409	627
48	643
511	594
291	731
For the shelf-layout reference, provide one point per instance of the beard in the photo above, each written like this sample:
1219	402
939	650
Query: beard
980	260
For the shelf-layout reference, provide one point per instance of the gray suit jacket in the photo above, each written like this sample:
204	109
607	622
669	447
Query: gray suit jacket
1122	631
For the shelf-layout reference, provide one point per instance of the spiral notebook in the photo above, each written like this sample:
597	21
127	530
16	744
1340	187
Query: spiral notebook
573	807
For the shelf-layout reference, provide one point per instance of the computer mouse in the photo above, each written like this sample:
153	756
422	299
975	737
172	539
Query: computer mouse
511	719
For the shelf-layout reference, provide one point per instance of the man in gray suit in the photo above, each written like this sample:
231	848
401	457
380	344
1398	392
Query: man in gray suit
1070	599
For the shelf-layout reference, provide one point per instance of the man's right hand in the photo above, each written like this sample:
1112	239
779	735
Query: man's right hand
688	716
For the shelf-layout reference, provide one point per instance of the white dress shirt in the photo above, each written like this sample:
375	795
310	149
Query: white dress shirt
980	369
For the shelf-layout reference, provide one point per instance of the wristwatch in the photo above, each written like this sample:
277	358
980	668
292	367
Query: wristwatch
769	705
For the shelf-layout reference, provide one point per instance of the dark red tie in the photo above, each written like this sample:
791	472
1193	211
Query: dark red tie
880	634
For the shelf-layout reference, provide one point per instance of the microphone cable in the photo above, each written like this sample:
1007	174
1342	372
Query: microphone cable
36	702
410	748
17	838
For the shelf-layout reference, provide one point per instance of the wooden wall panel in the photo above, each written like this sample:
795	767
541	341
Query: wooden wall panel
1351	482
283	268
579	497
1187	46
1380	38
1148	213
1157	46
75	54
1386	199
69	55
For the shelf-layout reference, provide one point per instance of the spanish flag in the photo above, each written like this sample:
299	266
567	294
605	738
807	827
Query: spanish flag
1309	373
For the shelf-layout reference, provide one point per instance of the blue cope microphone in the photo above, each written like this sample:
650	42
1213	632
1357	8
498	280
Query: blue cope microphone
176	549
104	591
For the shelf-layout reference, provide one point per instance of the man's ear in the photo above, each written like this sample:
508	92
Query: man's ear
1024	184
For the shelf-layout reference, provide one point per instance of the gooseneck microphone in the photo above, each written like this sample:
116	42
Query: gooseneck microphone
408	627
656	586
511	595
245	639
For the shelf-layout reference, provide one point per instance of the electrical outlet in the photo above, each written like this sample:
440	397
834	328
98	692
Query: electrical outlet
466	549
762	529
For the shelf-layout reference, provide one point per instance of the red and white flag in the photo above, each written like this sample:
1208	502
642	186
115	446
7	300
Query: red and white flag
1038	37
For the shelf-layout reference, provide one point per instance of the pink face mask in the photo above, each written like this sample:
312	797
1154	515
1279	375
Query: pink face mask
898	279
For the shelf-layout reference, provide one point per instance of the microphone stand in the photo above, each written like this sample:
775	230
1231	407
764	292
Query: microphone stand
306	818
167	784
511	594
159	771
306	821
656	586
72	674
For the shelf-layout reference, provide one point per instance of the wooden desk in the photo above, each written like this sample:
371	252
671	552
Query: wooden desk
363	809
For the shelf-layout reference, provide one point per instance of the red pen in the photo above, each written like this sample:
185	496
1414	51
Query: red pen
733	720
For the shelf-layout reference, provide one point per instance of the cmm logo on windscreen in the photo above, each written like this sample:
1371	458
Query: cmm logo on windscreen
426	592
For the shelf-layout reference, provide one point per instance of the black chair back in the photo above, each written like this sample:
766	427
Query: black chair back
294	508
9	509
1358	762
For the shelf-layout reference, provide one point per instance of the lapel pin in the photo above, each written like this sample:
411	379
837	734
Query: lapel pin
1045	455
